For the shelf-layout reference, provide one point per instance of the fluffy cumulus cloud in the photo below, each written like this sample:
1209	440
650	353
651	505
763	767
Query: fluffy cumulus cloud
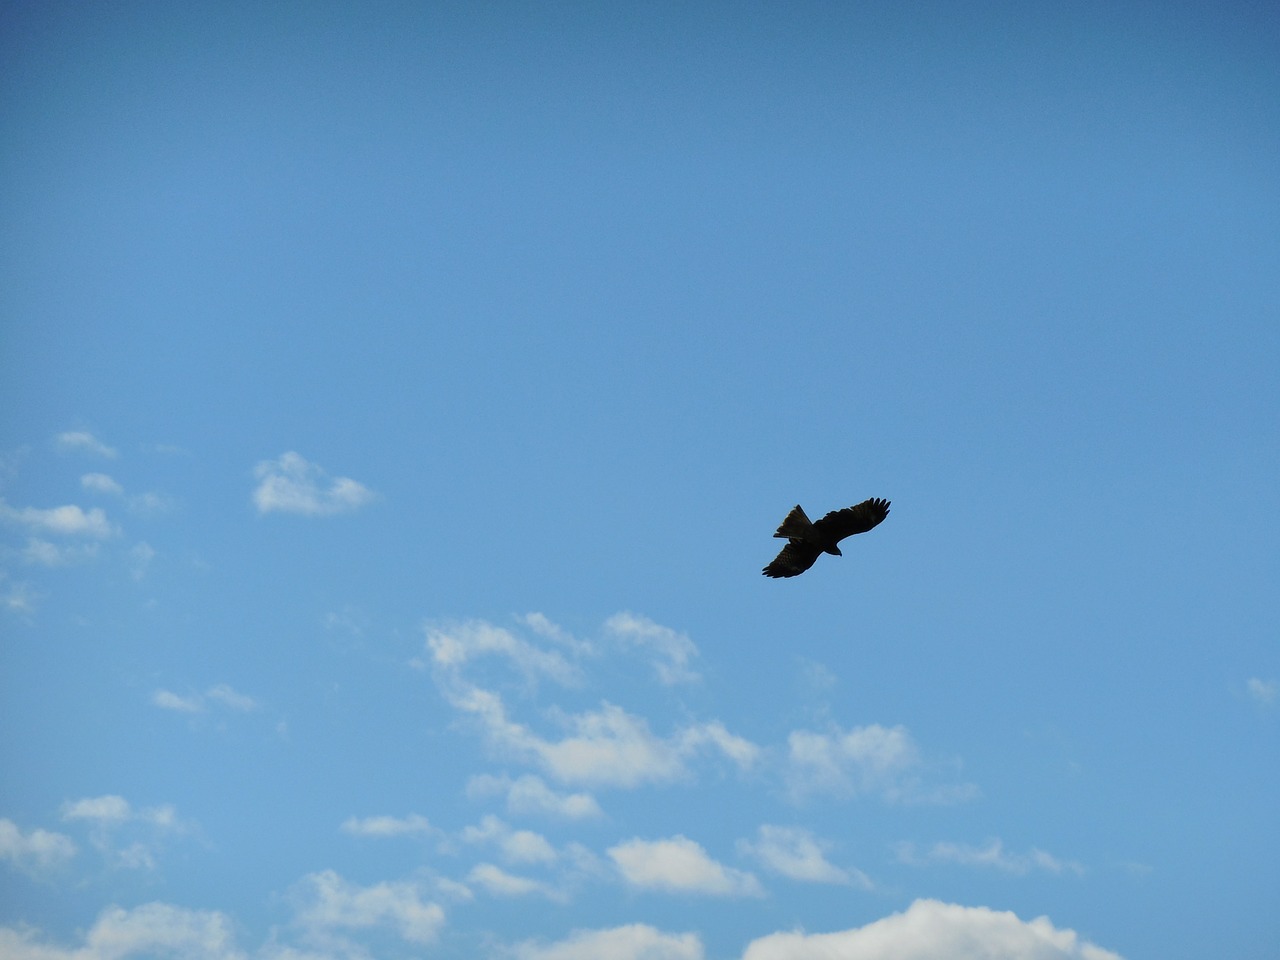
670	651
499	883
635	941
329	903
150	930
928	930
992	854
292	484
873	759
796	854
101	483
35	851
679	865
129	836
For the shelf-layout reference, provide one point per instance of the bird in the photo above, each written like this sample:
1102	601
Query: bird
806	541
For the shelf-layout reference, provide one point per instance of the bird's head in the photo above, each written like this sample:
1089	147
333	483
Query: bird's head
834	551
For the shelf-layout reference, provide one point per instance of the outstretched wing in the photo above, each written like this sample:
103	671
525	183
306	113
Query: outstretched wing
838	524
795	559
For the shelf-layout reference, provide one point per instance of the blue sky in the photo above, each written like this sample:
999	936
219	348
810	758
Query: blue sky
399	400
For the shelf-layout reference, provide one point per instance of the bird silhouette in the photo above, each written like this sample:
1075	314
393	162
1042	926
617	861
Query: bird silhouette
806	540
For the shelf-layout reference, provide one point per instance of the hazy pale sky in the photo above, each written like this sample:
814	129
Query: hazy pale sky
399	399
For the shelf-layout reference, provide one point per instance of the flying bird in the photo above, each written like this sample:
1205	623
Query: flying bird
806	541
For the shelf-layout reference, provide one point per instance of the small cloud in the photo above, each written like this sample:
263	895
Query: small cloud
453	646
671	650
412	825
81	441
517	846
635	941
1263	691
17	597
498	882
101	483
679	865
294	485
544	628
992	854
129	836
140	556
45	554
68	520
929	929
327	901
151	930
222	695
530	794
232	700
796	854
35	852
874	759
105	809
168	700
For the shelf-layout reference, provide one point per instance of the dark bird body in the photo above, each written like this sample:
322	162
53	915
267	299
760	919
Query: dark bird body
806	541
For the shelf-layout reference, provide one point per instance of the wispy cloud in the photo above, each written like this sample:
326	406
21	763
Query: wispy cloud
129	836
671	651
679	865
529	794
328	902
453	646
929	929
81	441
151	930
499	883
796	854
43	553
517	846
992	854
635	941
101	483
220	695
35	851
292	484
873	759
1263	691
68	520
412	825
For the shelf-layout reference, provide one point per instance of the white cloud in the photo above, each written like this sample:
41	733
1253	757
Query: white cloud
68	520
328	901
412	825
671	650
544	628
130	837
632	942
795	853
498	882
454	646
220	694
530	794
993	854
605	747
36	851
45	554
294	485
1264	691
140	556
679	865
864	760
150	930
168	700
517	846
81	441
929	929
101	483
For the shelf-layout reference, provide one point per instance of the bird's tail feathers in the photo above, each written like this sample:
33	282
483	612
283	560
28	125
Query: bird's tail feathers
796	525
